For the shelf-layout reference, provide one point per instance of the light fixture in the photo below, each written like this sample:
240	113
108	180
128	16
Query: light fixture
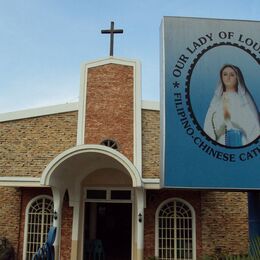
55	215
140	217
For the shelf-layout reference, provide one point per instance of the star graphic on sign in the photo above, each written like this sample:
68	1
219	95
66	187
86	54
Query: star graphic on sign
176	84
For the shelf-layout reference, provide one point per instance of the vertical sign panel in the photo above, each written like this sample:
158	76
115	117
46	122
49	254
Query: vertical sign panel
210	99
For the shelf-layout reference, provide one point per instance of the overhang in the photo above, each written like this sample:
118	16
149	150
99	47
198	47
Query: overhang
75	164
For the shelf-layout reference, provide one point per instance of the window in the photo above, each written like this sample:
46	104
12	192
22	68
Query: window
39	218
120	195
109	195
175	231
97	194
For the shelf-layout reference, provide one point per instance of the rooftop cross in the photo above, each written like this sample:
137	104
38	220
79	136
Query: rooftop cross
112	31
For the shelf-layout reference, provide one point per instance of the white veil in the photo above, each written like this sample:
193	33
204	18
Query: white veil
246	101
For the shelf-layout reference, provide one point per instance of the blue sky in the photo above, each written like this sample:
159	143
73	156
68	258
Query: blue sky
43	43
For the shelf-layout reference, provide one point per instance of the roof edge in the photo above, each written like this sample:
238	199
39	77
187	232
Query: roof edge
40	111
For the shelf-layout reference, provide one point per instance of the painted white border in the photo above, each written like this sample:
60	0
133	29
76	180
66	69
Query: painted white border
194	252
162	104
137	143
20	181
151	183
26	220
36	112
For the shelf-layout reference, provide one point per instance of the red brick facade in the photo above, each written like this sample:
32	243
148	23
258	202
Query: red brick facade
66	231
109	110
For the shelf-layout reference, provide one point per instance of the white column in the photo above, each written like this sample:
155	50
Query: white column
58	194
139	223
75	202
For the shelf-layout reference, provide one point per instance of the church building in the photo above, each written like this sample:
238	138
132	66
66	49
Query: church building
92	169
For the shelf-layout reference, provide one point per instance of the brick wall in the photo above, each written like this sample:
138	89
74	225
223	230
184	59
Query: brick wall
39	140
151	143
66	231
224	222
109	112
10	210
28	145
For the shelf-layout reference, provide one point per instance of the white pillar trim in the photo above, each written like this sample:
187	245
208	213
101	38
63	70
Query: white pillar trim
58	195
140	195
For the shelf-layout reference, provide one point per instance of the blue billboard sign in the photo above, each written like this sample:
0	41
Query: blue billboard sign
210	100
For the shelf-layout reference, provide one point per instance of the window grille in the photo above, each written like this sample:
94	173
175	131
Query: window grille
110	143
39	220
175	231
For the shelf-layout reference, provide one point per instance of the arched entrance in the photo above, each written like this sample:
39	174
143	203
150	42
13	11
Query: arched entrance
83	168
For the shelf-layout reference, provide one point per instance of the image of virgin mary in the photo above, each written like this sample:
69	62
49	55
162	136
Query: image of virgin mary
232	118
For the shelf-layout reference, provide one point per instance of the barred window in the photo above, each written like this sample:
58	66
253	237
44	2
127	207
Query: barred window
39	218
175	231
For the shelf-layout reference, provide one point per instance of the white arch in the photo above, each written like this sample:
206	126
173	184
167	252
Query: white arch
88	149
193	223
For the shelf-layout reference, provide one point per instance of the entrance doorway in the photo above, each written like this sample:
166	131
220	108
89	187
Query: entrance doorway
108	225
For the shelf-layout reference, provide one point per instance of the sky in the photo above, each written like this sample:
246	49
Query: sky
44	43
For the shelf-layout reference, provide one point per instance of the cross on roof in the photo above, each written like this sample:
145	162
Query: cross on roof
112	31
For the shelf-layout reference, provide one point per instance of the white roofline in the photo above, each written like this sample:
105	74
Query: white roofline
41	111
110	59
61	108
